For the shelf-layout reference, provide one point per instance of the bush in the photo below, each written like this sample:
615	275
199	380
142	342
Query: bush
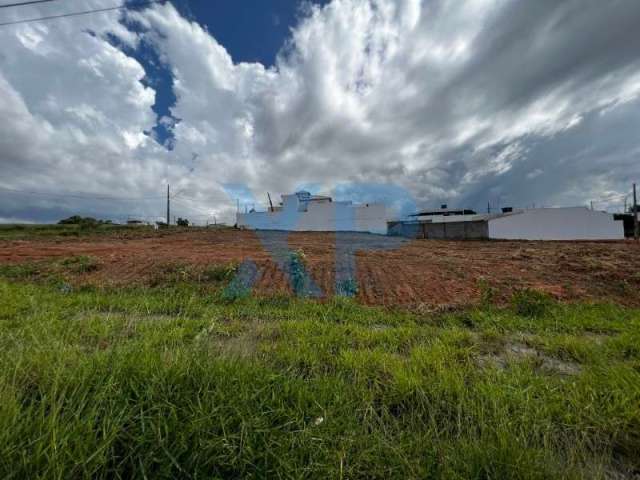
19	271
182	222
81	264
296	268
219	273
528	302
83	222
487	292
242	283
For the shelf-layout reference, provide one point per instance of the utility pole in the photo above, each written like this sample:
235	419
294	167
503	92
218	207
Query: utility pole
635	214
168	207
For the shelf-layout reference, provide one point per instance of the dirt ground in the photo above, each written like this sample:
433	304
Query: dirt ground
389	271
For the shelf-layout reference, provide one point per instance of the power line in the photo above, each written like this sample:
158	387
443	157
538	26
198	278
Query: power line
85	12
193	209
76	195
30	2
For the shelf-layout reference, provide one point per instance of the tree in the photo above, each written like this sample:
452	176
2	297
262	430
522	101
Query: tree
82	221
73	220
182	222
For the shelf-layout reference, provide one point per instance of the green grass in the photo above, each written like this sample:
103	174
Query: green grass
51	271
54	231
173	382
43	231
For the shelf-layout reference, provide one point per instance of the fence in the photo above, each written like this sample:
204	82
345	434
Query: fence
478	229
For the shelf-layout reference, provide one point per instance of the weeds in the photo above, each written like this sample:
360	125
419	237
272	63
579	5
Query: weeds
175	273
296	267
51	231
81	264
20	271
219	273
242	284
531	303
347	288
487	292
299	278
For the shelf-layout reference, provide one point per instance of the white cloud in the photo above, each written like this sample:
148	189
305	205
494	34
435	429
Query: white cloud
453	101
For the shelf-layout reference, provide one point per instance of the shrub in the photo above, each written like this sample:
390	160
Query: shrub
19	271
296	268
219	273
528	302
487	292
83	222
81	264
242	283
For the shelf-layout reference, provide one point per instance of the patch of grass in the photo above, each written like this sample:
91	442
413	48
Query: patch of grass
33	232
297	269
175	273
241	285
19	271
219	273
487	292
81	264
347	288
175	382
531	303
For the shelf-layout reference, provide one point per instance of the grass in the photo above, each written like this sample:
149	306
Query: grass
52	271
173	382
36	231
67	232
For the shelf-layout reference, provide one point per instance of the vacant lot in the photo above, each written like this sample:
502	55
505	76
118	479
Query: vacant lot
136	354
387	271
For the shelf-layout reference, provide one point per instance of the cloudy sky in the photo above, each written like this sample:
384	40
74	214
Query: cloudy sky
406	101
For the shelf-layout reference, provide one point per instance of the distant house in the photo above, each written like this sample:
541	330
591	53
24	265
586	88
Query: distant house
302	211
566	223
563	223
136	222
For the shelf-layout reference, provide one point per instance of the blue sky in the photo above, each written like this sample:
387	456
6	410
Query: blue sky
251	31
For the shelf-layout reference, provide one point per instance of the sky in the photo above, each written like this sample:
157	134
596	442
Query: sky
413	103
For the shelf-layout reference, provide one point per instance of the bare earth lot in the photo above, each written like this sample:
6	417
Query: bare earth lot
389	271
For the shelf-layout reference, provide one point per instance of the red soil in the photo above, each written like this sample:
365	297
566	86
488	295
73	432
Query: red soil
428	272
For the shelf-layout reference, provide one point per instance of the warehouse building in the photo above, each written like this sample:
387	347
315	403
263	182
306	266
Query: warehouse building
565	223
302	211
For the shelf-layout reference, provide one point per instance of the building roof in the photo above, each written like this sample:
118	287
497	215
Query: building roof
444	211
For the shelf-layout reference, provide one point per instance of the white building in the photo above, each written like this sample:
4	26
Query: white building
566	223
302	211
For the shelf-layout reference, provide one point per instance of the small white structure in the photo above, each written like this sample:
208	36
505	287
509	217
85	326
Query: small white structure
302	211
566	223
